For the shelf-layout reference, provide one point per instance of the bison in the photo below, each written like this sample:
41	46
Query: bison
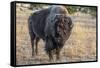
53	25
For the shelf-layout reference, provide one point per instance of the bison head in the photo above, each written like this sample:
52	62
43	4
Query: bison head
63	22
63	27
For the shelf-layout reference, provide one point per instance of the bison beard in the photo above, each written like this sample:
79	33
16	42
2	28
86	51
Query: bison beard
53	26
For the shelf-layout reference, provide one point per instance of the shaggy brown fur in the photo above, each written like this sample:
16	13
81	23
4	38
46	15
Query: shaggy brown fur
53	26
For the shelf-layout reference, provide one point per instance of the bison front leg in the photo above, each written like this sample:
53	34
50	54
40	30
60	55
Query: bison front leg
57	53
49	47
50	55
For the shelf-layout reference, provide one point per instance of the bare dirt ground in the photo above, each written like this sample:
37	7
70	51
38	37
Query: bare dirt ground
81	46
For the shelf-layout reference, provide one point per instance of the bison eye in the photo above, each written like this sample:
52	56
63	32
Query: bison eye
68	23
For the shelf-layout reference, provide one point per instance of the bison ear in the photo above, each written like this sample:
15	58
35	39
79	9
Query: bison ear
55	19
67	19
70	22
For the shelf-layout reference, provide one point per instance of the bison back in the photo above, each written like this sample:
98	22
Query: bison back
37	22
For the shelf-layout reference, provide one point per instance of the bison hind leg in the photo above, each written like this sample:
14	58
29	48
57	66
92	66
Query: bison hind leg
32	43
36	43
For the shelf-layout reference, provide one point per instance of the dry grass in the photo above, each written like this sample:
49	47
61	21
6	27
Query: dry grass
81	46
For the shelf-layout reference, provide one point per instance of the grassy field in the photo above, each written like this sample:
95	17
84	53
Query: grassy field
81	46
